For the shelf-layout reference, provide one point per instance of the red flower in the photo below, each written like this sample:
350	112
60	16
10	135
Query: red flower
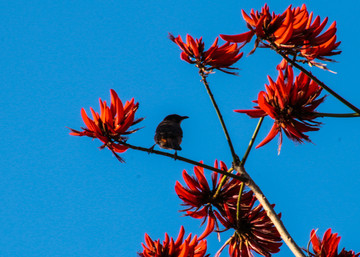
319	46
291	103
111	125
201	200
179	248
328	246
291	32
284	30
221	58
254	231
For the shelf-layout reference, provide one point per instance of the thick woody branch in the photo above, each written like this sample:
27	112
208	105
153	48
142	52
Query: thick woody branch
289	241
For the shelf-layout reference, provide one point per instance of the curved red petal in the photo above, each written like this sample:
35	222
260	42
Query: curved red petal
270	136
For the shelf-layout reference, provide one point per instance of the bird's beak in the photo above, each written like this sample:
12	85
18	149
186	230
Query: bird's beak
184	117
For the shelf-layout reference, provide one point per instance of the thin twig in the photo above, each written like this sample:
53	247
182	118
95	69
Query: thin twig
222	182
238	205
252	140
289	241
321	84
203	76
337	115
177	157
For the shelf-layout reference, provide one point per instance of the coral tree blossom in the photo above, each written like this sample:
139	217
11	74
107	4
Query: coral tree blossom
254	231
221	58
201	199
170	248
291	103
328	246
112	124
293	33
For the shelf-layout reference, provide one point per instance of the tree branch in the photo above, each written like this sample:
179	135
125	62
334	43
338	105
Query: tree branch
177	157
203	76
252	140
310	75
337	115
289	241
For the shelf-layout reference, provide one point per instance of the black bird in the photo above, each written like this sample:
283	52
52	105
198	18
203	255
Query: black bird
168	133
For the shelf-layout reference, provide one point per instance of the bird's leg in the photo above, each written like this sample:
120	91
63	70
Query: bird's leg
151	149
175	155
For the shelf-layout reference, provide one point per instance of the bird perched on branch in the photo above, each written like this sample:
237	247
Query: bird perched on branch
168	133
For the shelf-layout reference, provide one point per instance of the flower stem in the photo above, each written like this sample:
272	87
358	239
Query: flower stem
238	204
177	157
252	140
337	115
321	84
203	76
222	183
289	241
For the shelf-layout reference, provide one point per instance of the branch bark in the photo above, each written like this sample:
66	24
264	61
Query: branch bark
289	241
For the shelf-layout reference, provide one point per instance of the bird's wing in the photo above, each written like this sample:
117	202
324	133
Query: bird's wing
168	135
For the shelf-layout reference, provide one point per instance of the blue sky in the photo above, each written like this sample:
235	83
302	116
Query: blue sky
61	196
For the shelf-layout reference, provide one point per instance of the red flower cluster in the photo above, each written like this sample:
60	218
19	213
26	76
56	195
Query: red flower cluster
187	248
201	199
328	246
293	32
111	125
221	58
253	230
291	103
